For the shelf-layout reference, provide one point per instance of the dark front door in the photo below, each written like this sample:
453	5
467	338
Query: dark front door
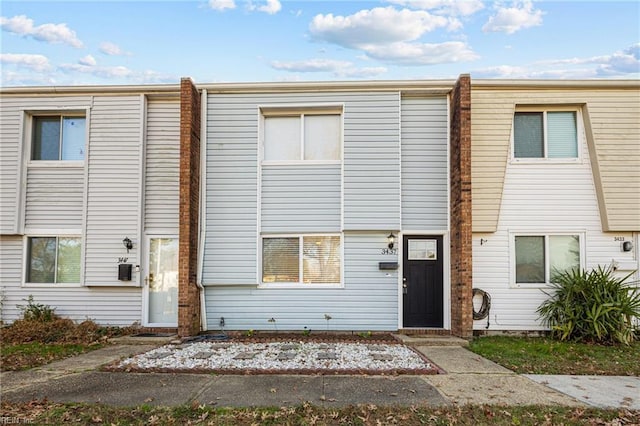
422	281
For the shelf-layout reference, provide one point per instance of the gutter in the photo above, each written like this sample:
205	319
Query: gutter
202	207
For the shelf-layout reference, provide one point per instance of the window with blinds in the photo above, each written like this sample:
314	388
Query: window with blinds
545	134
306	259
303	137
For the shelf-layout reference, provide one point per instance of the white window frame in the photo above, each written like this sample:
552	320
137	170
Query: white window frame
300	284
512	255
300	111
33	115
51	234
580	136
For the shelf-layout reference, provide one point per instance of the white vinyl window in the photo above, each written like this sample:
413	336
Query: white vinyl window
539	258
53	260
303	137
58	138
545	135
304	260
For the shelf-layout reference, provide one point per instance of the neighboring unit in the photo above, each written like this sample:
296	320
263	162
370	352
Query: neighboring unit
556	185
87	172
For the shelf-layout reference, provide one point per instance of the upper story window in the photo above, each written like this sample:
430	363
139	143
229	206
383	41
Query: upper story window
58	137
53	260
314	135
545	134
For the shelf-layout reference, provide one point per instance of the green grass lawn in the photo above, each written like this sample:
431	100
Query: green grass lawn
546	356
307	414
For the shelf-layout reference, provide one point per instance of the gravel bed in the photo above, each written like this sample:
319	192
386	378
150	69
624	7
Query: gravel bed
281	357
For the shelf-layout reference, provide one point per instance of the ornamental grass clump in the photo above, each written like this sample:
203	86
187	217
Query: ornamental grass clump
592	306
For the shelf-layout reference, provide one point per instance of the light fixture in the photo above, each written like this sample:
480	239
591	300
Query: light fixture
627	246
392	240
128	244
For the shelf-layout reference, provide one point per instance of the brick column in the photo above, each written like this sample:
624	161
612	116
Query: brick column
461	243
188	292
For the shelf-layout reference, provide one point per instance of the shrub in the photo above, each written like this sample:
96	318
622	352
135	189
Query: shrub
592	306
37	311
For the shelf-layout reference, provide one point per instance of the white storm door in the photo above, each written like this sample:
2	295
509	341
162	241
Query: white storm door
161	282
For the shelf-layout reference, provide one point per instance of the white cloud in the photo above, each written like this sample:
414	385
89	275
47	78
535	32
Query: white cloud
344	69
13	78
120	73
622	64
270	6
444	7
391	35
38	63
374	26
87	60
511	19
51	33
625	62
422	53
311	65
221	5
112	49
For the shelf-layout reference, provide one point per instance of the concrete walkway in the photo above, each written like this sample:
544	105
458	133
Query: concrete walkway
470	379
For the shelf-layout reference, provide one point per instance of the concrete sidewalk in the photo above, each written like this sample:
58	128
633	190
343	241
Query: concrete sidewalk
470	379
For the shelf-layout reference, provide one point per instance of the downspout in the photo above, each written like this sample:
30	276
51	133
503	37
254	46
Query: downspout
202	206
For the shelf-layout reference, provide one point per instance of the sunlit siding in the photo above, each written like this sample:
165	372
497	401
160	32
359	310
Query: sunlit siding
54	198
368	301
301	198
424	163
371	173
539	198
108	306
612	119
14	112
162	167
113	190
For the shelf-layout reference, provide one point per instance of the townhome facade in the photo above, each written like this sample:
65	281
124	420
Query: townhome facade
556	185
84	169
342	206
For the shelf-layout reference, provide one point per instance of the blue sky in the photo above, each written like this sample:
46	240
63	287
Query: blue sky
126	42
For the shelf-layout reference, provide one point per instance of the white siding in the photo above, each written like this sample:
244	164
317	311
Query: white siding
113	199
301	198
539	198
108	306
162	167
12	112
368	301
54	198
424	163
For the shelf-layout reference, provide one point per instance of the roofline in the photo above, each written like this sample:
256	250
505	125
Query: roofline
428	86
554	84
161	89
411	86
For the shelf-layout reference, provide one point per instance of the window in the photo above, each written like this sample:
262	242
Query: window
53	260
309	259
58	138
539	258
548	134
302	137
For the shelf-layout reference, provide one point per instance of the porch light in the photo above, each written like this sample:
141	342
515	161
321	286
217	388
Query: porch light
392	240
128	244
